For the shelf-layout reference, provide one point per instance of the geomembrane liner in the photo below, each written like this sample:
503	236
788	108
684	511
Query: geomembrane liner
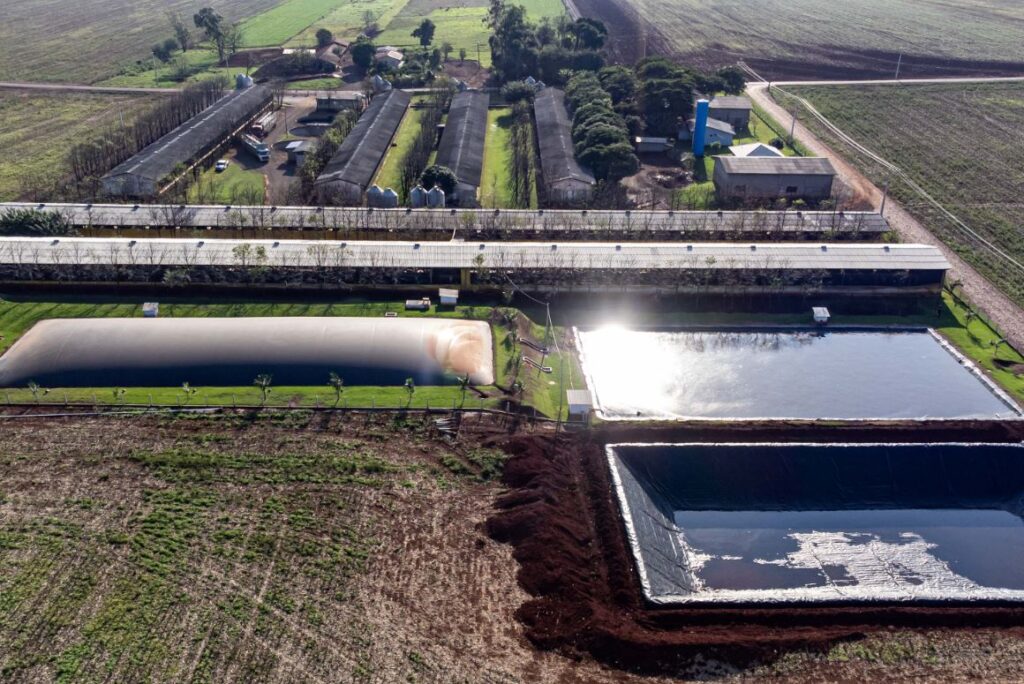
776	374
812	523
227	352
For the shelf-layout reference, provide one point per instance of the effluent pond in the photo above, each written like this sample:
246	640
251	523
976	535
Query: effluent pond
782	523
747	374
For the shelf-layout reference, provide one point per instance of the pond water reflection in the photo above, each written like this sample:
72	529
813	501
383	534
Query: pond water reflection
802	374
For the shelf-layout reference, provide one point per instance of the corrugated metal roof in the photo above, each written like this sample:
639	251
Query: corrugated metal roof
196	135
731	102
466	221
360	154
714	124
757	149
554	138
462	144
495	255
779	166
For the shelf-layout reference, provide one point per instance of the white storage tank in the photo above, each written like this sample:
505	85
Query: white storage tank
418	197
375	196
435	198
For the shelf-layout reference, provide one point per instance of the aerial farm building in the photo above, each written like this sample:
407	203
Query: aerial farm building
462	144
150	172
565	181
760	178
351	170
732	109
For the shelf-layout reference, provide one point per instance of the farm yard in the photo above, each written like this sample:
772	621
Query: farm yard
808	39
959	142
389	175
39	127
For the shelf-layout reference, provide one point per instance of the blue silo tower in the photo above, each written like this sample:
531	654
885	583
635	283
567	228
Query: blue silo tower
700	127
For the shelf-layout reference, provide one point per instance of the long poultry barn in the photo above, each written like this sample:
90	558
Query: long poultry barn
351	170
153	170
564	180
462	144
515	224
589	267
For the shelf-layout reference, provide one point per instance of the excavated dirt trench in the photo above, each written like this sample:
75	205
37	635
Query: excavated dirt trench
560	516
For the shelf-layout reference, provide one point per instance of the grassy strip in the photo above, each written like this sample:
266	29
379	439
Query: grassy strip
389	175
494	181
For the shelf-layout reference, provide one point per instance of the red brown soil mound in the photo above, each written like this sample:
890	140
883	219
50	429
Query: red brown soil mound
565	528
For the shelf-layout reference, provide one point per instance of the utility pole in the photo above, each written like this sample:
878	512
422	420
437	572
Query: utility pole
792	130
885	196
899	63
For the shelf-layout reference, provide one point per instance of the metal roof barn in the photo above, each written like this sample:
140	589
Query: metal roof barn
512	255
462	144
166	352
146	174
350	171
791	166
399	223
564	179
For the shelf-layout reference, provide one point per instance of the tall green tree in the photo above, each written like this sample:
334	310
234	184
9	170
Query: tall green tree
425	32
211	24
363	51
324	37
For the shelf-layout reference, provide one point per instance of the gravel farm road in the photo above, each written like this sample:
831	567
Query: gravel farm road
997	307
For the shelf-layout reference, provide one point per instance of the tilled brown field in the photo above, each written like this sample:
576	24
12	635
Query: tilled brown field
292	547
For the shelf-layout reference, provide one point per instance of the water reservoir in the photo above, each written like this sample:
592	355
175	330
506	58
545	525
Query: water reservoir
747	374
212	352
778	523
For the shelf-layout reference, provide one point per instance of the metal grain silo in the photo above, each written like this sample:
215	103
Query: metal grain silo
700	127
435	198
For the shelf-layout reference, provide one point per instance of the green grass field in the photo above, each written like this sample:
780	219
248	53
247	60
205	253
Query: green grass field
230	186
389	175
345	19
202	64
288	19
494	188
38	128
960	142
541	390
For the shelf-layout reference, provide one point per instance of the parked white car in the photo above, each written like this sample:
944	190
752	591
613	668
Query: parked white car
222	165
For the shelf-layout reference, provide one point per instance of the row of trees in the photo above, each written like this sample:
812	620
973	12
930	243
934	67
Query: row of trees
89	160
599	134
520	48
521	161
418	157
317	159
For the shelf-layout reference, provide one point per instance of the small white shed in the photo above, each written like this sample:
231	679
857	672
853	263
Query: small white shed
151	309
448	297
581	403
821	314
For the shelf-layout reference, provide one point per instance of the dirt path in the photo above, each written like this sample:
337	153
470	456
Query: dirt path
997	307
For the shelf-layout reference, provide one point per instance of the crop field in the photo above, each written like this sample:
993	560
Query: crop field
88	41
821	38
252	548
961	143
38	128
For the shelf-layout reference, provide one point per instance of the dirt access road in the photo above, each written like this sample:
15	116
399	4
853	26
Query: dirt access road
997	307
